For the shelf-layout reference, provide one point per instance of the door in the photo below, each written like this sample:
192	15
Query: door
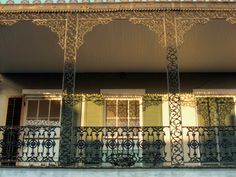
11	134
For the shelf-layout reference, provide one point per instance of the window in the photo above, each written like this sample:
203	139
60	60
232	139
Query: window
43	109
216	111
123	112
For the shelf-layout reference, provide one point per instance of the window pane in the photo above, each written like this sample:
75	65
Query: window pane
55	110
123	108
134	122
123	122
225	111
134	108
32	109
111	122
111	108
43	109
215	111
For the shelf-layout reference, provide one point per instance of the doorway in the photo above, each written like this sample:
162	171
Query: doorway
11	133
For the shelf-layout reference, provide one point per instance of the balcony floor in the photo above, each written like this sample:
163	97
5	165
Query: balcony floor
13	172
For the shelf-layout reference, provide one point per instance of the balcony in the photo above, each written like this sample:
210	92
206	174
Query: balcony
117	147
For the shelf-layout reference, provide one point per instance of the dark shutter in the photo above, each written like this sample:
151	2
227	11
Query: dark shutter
11	134
14	112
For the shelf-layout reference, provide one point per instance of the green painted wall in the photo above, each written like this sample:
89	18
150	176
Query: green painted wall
78	113
93	114
152	115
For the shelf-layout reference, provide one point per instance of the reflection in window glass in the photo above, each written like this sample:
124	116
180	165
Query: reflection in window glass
122	109
55	110
43	109
32	109
111	108
121	112
215	111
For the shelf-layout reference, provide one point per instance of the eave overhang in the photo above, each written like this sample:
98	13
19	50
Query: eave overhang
117	6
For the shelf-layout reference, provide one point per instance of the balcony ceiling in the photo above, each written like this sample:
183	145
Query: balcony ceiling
117	47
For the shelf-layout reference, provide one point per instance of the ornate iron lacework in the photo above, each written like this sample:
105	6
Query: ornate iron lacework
154	24
29	144
7	22
173	26
97	99
120	146
87	25
157	21
150	99
188	99
211	144
183	25
153	20
57	26
67	152
113	2
173	81
215	109
42	123
55	21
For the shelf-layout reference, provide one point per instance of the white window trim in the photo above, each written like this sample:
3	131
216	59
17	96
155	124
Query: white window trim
129	98
122	94
230	93
216	92
41	94
83	109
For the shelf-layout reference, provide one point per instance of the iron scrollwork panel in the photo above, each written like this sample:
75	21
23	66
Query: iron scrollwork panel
173	83
120	146
214	144
216	111
67	151
174	107
29	144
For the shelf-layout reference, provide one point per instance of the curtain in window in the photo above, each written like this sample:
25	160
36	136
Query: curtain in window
217	133
215	111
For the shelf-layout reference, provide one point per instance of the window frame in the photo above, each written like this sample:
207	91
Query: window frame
37	121
215	95
123	98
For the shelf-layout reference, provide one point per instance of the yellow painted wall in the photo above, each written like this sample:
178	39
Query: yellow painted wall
152	116
93	114
77	113
3	109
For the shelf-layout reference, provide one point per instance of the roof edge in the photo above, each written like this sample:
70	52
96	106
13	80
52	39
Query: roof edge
117	6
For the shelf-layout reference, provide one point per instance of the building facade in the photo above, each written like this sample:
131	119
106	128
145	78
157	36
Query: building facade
118	84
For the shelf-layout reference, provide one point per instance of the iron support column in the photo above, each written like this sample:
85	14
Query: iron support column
173	83
175	118
67	149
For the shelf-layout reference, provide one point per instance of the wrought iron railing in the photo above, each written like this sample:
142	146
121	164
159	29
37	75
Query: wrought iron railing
29	145
211	145
121	146
105	147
